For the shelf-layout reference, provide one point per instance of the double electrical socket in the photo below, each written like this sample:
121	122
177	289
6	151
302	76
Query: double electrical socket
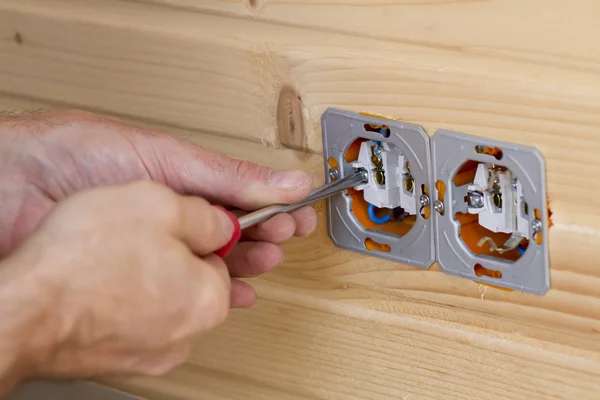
444	230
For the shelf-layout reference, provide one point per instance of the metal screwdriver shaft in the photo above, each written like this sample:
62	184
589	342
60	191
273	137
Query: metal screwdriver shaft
323	192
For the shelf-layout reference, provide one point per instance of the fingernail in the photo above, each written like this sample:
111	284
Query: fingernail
306	218
290	179
228	220
231	224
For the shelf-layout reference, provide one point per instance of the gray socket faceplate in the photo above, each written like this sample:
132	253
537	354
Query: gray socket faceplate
340	129
530	273
438	238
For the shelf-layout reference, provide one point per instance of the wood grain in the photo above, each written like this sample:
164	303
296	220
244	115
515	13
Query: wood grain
293	345
251	80
533	30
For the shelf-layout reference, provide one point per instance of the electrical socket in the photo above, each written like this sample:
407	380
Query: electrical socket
407	244
467	194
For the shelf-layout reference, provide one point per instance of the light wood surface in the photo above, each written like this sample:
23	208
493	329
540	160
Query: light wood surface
251	79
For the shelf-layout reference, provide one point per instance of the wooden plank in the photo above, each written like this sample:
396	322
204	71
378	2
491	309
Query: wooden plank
534	30
297	345
10	105
121	71
438	87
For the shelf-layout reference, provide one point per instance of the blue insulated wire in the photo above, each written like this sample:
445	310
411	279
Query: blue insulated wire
375	218
378	142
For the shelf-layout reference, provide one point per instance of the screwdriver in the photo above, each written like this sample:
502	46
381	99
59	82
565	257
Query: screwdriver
264	214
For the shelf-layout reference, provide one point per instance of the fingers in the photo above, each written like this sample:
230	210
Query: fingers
282	227
213	295
220	267
250	186
204	228
306	221
242	294
278	229
250	259
192	170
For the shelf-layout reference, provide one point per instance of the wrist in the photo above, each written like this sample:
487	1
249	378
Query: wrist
25	336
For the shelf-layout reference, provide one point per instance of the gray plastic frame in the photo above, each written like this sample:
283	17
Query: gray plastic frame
530	273
340	129
437	238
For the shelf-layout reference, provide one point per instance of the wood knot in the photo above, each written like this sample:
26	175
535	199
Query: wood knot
18	38
255	5
290	123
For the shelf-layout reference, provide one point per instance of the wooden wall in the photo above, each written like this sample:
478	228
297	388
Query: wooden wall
251	78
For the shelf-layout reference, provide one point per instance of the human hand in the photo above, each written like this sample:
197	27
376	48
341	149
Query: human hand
100	288
47	157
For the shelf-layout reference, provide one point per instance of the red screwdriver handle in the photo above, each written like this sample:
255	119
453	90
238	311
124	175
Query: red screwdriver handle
237	234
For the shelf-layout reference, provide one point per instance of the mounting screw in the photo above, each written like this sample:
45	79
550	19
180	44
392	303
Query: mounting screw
364	175
536	225
333	174
475	199
438	206
424	199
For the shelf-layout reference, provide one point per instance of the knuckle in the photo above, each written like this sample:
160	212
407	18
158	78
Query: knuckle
243	170
208	223
214	306
213	224
221	311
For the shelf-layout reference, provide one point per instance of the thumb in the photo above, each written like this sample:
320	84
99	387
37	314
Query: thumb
220	179
249	186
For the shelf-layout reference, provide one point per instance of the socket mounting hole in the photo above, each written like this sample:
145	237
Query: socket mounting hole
383	130
333	167
372	245
440	186
538	236
425	210
495	152
480	271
